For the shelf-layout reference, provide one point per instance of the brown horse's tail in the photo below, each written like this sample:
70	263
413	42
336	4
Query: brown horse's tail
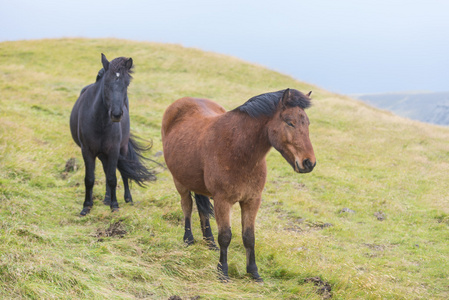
204	206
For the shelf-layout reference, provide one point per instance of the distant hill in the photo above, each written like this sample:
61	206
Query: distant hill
426	107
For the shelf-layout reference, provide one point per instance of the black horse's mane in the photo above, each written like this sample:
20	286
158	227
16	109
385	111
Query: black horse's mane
117	65
100	74
266	104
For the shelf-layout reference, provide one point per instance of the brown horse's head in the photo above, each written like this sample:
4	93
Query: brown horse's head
288	131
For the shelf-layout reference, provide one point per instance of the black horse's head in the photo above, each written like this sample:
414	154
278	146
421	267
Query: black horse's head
116	78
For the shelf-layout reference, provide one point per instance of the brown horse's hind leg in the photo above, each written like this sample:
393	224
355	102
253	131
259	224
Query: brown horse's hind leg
186	204
249	212
205	211
207	231
223	217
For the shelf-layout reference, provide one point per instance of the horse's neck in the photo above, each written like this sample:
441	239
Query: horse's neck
99	107
250	139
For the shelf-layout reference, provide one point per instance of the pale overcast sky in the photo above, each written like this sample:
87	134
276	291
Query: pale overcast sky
345	46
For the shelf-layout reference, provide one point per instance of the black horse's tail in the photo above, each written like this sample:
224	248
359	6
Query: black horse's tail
131	165
204	206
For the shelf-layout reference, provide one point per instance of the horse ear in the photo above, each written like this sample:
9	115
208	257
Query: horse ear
309	93
129	63
105	62
285	98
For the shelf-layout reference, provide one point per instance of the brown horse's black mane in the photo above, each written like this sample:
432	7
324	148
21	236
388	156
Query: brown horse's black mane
266	104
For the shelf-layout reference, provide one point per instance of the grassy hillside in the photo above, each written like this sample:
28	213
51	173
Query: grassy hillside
389	176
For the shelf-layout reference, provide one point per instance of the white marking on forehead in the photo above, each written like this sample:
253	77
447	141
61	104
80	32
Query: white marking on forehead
118	74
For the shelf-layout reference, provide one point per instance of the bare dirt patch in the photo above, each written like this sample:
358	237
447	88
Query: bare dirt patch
380	215
114	229
71	165
324	288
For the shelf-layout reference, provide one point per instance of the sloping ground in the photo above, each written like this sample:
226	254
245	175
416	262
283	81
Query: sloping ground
371	221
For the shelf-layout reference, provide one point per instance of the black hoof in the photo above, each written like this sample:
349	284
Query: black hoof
85	211
129	200
223	273
189	241
107	201
212	246
224	278
255	275
114	209
188	238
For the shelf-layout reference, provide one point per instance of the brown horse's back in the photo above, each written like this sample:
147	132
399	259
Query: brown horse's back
184	127
189	111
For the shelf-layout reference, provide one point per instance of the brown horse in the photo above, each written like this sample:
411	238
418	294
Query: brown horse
219	154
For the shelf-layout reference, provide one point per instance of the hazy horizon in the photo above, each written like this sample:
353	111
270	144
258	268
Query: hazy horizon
347	46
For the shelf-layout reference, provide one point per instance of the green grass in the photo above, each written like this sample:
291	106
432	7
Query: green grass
369	161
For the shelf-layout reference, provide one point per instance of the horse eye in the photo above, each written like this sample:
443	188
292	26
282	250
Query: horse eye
289	123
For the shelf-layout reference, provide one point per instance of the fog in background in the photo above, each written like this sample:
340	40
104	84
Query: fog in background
344	46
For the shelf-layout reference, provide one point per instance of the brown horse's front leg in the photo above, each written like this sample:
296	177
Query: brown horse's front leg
249	212
224	239
223	217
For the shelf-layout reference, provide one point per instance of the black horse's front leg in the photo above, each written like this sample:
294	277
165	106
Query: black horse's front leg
89	180
128	197
111	179
107	195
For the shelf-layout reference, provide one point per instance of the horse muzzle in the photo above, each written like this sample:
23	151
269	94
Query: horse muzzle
307	166
116	117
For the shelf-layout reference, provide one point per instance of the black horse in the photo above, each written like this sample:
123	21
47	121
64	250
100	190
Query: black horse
100	126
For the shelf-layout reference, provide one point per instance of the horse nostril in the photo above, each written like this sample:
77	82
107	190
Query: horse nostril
116	116
308	164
